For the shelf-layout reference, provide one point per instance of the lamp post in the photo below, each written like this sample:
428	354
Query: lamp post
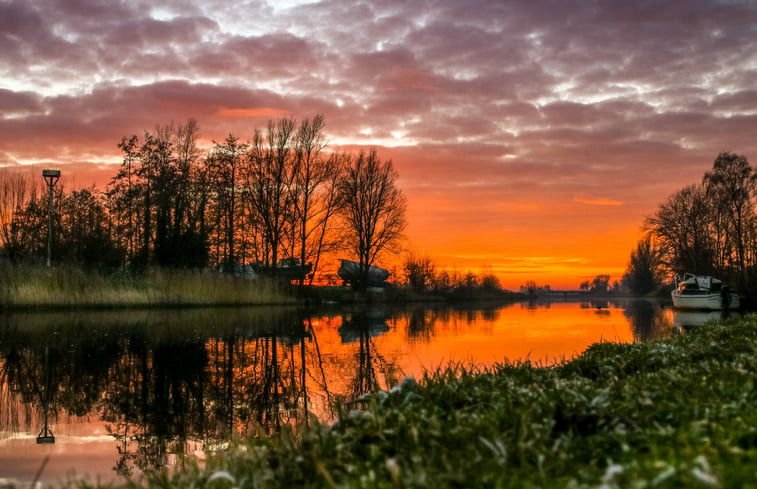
51	178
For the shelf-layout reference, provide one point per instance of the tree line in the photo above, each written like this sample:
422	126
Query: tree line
281	198
423	277
706	228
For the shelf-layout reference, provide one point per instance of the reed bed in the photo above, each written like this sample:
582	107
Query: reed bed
35	287
680	412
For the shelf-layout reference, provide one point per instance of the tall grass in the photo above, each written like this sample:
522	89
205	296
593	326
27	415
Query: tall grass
31	287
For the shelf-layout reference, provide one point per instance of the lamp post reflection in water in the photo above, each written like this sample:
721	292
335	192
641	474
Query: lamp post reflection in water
46	436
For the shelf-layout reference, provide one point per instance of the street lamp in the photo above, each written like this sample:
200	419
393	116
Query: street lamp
51	178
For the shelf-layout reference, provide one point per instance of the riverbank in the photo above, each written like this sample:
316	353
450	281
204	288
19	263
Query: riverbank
680	412
39	288
34	287
405	295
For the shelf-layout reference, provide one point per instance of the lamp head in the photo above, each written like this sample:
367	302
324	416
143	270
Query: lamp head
51	176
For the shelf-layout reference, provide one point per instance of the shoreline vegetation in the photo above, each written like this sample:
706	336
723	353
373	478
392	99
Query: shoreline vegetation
706	228
677	412
36	287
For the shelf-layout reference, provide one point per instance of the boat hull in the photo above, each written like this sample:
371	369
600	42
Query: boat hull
350	271
710	302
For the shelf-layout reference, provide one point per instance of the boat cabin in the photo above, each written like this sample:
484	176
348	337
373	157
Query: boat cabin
699	285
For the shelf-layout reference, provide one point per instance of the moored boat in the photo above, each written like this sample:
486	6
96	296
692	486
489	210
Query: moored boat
350	272
703	292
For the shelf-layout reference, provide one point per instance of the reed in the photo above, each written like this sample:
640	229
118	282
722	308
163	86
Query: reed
35	287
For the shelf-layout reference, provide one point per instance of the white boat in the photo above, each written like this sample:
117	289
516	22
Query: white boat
703	292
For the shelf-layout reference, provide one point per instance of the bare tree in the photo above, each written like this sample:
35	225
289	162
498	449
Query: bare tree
325	235
681	227
272	171
16	190
188	233
84	231
121	195
374	209
315	191
730	186
26	232
311	173
227	162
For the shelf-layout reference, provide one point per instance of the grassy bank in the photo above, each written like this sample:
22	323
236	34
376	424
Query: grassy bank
675	413
24	287
37	287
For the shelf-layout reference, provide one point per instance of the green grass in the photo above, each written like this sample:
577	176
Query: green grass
36	287
680	412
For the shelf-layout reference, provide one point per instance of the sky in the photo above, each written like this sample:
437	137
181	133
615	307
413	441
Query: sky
531	137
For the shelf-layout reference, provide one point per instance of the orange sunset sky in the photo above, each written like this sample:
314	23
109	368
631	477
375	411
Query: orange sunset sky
532	137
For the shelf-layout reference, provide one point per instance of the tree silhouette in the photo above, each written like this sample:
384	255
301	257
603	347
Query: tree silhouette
644	273
315	191
173	205
227	168
373	208
730	186
84	233
273	169
16	190
419	272
682	227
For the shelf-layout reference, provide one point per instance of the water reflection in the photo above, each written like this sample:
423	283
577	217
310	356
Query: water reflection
161	384
46	434
683	320
649	320
598	304
363	324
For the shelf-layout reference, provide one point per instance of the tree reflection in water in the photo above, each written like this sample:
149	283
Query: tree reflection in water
361	327
72	379
165	385
174	382
648	319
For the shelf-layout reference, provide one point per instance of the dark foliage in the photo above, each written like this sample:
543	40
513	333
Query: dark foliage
644	274
265	203
711	228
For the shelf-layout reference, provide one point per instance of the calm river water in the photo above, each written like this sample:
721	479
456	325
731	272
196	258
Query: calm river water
122	392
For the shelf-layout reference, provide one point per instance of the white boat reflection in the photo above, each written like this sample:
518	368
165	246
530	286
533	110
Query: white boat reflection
693	319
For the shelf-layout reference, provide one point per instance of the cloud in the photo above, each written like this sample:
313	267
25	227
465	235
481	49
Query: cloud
510	122
601	201
252	113
21	102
